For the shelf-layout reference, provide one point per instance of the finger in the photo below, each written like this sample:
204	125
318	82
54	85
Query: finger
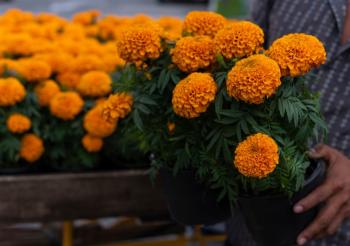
321	151
324	218
338	220
335	224
321	234
319	195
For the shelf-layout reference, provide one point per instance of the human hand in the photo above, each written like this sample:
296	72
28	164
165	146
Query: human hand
334	192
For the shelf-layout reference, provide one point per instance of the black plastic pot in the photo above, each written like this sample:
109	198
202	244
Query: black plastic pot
191	203
271	220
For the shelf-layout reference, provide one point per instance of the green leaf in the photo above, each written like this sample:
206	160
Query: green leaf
218	104
143	108
214	140
174	77
137	119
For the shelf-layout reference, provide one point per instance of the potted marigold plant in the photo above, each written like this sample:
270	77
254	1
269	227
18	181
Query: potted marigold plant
55	77
228	123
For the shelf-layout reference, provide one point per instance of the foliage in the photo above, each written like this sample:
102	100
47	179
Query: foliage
206	144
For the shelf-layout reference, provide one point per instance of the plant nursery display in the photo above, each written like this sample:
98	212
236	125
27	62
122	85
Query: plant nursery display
226	123
226	119
55	77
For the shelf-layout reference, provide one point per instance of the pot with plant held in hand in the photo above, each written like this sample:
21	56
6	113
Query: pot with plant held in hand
271	220
190	202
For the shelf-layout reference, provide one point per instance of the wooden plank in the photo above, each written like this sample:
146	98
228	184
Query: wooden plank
51	197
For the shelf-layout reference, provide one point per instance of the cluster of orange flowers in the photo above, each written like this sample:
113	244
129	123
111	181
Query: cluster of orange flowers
63	62
207	40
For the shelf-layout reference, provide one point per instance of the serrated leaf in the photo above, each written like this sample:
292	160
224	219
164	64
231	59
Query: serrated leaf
137	119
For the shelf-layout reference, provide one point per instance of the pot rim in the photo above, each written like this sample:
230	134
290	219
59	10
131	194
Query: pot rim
319	169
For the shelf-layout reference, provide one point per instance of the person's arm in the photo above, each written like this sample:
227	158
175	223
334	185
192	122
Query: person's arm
259	14
334	192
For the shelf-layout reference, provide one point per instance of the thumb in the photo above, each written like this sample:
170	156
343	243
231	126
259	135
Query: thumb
321	151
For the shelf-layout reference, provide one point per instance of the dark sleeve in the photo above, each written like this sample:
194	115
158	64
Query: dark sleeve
259	13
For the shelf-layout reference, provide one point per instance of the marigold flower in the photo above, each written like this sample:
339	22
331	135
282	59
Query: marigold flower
253	79
18	123
32	148
257	156
297	53
137	44
91	143
33	70
46	17
193	95
95	84
117	106
68	45
17	16
86	63
45	91
172	27
112	62
58	61
203	23
19	44
8	64
11	91
66	105
96	125
86	17
193	53
239	39
69	79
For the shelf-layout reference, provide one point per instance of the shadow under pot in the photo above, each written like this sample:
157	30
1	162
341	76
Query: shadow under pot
191	203
271	220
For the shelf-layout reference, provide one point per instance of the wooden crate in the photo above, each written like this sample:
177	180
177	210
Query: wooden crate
58	197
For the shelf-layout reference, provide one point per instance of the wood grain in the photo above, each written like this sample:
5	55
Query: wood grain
57	197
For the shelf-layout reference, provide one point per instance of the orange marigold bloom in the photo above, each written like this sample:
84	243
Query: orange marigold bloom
193	95
45	91
117	106
95	84
69	79
32	148
87	17
96	125
91	143
297	53
8	64
203	23
253	79
58	61
66	105
257	156
11	91
172	27
18	123
239	39
193	53
137	44
86	63
112	62
18	44
33	70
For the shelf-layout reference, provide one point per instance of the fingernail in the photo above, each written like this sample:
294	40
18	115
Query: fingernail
301	241
298	209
